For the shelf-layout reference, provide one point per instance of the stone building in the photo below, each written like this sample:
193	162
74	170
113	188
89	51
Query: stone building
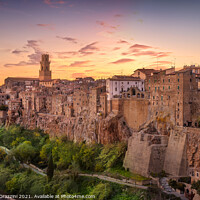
80	99
143	73
175	93
22	82
3	98
103	105
58	101
94	100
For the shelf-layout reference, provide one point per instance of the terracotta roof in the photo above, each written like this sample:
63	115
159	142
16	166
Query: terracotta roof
21	78
124	78
146	71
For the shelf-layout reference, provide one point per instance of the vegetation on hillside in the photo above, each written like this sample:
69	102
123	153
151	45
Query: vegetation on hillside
62	160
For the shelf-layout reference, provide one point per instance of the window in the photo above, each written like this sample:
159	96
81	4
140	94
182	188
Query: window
149	88
178	87
190	80
115	83
115	89
178	79
161	98
163	88
153	97
169	87
163	80
122	83
169	80
128	83
138	73
155	89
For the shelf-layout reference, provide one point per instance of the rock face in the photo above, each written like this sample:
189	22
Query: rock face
85	127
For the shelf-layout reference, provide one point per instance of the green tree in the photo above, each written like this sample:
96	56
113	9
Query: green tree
25	152
102	191
50	168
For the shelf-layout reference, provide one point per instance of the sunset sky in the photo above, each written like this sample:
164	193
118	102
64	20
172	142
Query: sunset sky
97	38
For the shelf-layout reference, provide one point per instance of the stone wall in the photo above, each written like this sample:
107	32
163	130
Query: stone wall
176	158
145	153
135	112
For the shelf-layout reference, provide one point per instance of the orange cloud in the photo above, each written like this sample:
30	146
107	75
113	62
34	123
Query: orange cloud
124	60
79	64
78	75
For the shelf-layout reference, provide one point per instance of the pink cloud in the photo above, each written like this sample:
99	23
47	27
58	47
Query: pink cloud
152	53
47	26
116	48
69	39
54	3
104	24
89	49
140	46
118	15
124	60
79	64
122	42
163	62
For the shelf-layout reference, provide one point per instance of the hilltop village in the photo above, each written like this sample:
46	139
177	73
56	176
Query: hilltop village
156	111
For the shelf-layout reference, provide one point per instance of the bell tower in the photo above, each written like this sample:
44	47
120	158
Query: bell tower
45	73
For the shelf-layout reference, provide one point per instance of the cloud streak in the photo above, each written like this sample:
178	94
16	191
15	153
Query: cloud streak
89	49
122	61
104	24
33	59
46	26
68	39
54	3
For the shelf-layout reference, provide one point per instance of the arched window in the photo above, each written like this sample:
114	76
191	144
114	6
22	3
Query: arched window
138	95
142	95
133	91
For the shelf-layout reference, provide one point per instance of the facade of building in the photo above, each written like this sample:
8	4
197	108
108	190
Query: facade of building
116	85
175	93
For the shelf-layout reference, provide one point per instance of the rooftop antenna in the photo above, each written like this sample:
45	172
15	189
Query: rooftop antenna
174	62
157	63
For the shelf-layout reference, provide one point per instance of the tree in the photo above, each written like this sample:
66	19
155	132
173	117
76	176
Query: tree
25	152
50	168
